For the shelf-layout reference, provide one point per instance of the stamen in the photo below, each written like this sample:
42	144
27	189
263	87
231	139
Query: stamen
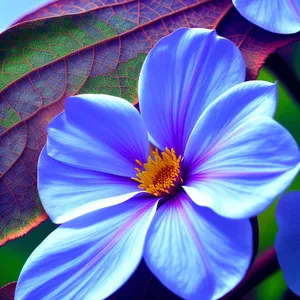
161	174
138	162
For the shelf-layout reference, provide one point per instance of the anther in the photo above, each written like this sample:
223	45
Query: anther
161	174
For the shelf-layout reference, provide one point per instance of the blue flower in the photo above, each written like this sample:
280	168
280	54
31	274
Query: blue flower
217	153
278	16
287	243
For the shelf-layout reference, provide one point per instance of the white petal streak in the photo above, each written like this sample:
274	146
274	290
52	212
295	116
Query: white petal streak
186	245
89	257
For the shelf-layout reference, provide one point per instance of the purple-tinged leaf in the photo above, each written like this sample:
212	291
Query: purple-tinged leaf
95	51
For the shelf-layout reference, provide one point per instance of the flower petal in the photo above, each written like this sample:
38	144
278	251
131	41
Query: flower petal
237	163
100	133
287	242
181	76
186	245
67	192
89	257
279	16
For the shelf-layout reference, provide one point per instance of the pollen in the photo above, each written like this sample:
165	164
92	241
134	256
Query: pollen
159	176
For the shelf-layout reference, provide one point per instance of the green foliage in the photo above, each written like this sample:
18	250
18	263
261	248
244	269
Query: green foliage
14	254
287	114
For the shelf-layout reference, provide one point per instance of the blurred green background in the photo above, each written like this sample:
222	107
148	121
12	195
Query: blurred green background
14	254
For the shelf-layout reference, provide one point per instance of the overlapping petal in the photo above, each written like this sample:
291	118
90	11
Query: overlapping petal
100	133
237	162
67	192
279	16
196	253
288	239
181	76
89	257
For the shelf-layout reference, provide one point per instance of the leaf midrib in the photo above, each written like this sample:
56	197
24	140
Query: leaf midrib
105	40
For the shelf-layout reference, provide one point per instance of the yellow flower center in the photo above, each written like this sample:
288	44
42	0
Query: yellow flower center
161	174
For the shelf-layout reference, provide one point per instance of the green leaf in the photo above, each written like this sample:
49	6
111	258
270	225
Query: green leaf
287	114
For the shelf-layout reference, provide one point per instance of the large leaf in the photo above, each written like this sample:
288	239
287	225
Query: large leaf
98	51
7	292
66	7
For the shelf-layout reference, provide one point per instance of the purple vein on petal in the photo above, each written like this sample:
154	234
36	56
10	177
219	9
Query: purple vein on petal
135	217
197	241
295	9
